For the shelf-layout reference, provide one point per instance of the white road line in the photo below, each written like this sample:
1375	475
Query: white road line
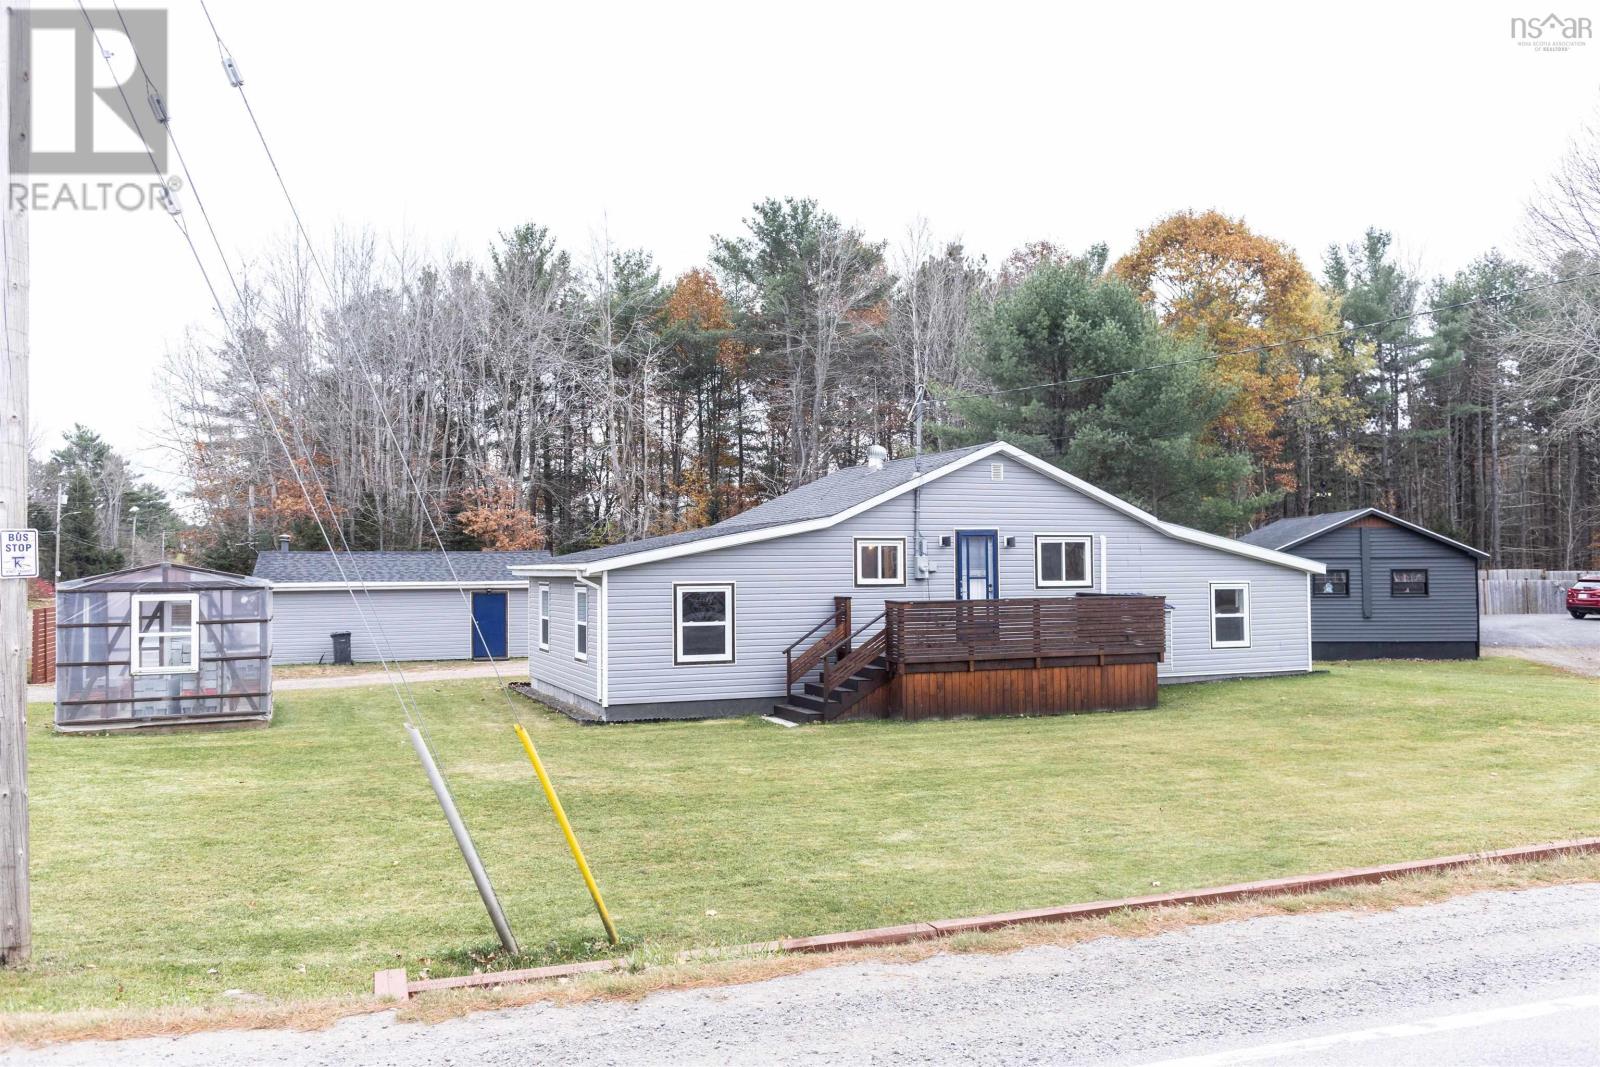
1435	1025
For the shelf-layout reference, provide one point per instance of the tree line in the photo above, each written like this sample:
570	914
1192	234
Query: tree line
1208	374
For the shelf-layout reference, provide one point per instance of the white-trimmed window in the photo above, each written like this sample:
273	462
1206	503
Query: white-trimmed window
544	617
880	561
580	621
1230	614
166	634
1063	561
702	623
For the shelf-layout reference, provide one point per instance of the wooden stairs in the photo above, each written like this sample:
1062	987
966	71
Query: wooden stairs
817	703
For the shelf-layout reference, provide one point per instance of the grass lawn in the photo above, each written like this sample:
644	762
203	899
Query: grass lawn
292	862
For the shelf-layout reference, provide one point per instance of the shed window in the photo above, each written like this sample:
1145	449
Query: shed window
580	618
703	623
1334	583
1063	560
880	562
544	617
166	634
1230	615
1408	583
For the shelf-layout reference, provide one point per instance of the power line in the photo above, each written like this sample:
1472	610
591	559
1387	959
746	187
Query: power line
232	70
406	706
158	108
1341	331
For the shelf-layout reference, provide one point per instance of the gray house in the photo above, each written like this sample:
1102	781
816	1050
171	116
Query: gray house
1392	589
419	605
715	621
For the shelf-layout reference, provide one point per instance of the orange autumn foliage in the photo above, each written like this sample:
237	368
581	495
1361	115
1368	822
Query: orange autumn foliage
493	516
1207	275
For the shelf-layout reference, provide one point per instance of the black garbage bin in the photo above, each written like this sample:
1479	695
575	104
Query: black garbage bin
341	647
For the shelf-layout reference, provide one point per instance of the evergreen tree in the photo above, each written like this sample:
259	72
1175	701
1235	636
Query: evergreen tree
1057	349
81	552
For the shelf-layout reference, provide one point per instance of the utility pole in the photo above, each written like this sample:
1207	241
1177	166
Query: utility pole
60	494
16	922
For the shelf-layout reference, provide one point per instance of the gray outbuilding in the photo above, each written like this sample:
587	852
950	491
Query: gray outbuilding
409	605
1392	589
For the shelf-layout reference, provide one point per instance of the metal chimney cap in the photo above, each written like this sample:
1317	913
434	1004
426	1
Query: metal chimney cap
283	542
876	456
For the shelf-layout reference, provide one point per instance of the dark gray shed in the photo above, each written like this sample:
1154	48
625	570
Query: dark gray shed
1393	589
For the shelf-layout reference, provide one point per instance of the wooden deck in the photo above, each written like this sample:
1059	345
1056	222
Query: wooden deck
981	658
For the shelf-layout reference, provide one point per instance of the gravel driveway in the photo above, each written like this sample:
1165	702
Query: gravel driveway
1559	640
1243	986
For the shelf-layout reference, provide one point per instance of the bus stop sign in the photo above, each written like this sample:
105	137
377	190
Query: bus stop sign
19	553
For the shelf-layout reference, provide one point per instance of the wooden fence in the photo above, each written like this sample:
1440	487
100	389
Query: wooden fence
42	648
1523	592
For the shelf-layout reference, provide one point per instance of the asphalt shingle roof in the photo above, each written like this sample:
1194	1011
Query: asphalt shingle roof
1285	533
289	568
825	497
1276	535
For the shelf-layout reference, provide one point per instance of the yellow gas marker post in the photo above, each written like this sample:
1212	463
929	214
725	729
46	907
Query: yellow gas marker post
566	828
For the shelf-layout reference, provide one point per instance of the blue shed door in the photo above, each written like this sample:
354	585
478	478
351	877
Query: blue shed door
977	565
488	625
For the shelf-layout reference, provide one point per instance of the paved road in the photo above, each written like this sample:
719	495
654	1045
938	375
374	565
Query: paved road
1559	640
1541	631
1501	978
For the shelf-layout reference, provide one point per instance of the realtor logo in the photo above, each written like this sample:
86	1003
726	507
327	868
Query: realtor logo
78	118
1552	33
19	553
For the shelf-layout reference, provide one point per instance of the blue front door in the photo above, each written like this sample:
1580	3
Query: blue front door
977	565
488	625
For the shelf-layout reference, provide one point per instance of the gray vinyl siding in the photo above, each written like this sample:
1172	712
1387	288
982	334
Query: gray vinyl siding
784	586
410	623
1448	613
558	665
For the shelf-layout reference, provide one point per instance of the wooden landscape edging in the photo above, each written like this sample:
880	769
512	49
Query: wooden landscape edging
393	985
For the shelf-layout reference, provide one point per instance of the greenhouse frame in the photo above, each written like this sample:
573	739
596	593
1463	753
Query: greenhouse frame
166	644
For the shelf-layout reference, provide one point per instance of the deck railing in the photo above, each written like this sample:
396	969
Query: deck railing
1038	628
836	639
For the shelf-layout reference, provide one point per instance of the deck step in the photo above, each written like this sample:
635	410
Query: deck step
790	713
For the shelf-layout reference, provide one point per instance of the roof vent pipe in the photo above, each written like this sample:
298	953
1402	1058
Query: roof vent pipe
876	455
283	542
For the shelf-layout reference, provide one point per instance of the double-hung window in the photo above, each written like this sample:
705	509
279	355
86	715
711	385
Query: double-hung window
702	623
1063	561
544	617
880	561
166	638
1230	615
1408	582
1334	583
580	620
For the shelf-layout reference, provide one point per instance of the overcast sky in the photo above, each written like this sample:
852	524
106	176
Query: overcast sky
998	123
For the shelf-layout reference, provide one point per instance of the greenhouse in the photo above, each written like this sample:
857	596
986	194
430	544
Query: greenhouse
165	644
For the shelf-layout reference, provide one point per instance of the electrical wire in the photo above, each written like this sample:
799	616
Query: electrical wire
237	82
393	674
